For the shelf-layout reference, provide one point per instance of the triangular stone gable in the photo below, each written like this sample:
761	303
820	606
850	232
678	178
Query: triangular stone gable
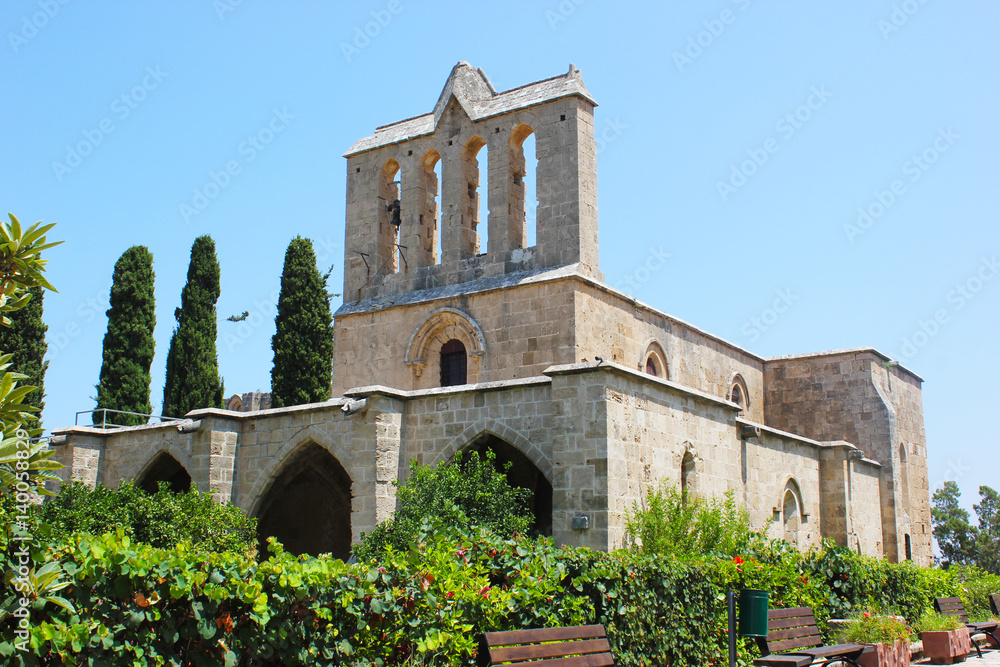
467	86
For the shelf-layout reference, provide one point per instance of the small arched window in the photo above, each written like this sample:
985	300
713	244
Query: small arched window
453	363
738	392
908	548
737	396
655	361
687	475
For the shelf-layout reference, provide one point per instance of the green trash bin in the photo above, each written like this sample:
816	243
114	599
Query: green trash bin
753	613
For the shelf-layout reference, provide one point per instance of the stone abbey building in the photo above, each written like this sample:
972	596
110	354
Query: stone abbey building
593	396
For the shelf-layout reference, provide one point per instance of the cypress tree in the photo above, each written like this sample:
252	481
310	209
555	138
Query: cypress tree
128	343
303	340
25	338
192	380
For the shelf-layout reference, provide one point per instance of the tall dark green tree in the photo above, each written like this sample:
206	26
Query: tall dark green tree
303	340
192	380
954	535
25	339
988	533
128	344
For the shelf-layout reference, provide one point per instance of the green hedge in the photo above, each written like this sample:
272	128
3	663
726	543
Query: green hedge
136	605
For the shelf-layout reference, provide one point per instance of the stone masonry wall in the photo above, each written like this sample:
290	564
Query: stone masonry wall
526	329
851	504
846	396
617	328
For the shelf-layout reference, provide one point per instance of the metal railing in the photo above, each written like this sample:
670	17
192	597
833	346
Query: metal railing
104	417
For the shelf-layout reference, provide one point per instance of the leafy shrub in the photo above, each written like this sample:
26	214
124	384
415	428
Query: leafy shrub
937	622
872	628
160	519
459	492
682	525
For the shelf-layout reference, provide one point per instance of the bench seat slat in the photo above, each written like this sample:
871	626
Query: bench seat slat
592	660
540	651
835	649
535	635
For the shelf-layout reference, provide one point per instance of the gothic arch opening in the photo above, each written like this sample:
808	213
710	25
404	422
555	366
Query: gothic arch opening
904	479
688	482
308	506
389	209
792	512
524	473
477	177
430	208
523	187
164	468
655	361
738	392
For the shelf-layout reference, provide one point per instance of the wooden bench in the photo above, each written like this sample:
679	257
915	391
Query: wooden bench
793	639
955	607
578	646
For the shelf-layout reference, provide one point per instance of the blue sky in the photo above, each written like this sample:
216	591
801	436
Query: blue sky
739	137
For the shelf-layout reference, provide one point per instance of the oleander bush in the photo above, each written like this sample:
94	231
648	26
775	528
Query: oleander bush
161	519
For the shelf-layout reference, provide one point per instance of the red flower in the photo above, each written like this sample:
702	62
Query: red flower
867	614
738	560
450	595
485	592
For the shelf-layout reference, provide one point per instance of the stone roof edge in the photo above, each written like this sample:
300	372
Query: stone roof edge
594	366
579	91
407	394
270	412
547	274
850	350
786	434
478	286
105	432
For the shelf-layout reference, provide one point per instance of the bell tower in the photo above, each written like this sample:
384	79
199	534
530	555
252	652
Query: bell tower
396	221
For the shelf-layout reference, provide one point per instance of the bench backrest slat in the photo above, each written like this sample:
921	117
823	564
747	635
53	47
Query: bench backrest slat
995	603
541	651
791	629
951	607
580	646
544	635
